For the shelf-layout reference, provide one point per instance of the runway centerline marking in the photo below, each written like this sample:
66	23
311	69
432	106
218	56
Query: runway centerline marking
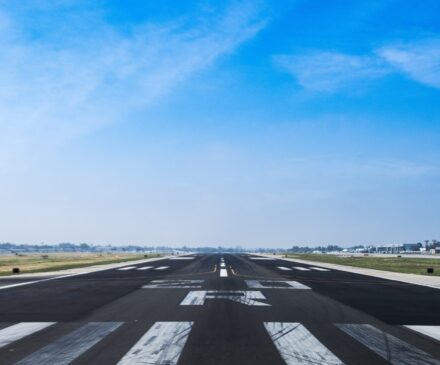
161	268
223	273
275	284
319	268
250	298
21	330
392	349
284	268
430	331
67	348
297	345
162	344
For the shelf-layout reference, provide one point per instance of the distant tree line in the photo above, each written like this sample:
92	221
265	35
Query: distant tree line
85	247
305	249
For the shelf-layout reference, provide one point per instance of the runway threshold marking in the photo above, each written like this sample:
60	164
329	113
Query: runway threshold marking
430	331
392	349
284	268
250	298
126	268
162	344
67	348
275	284
297	345
21	330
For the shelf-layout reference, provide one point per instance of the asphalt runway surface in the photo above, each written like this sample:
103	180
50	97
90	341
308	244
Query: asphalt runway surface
218	309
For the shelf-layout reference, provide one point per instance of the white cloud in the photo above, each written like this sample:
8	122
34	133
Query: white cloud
321	71
55	86
418	60
331	71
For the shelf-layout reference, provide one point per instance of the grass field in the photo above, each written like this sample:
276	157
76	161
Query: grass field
396	264
30	263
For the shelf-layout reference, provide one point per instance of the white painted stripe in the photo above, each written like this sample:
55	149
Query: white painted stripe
161	345
199	297
161	268
94	270
431	331
182	258
319	268
297	345
223	273
283	268
145	268
275	284
42	280
262	258
21	330
175	284
300	268
67	348
222	264
126	268
392	349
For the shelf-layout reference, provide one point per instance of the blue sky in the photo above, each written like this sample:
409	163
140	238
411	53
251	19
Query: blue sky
252	123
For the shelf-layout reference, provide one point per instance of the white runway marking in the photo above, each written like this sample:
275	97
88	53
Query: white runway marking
431	331
319	268
145	268
262	258
42	280
126	268
182	258
275	284
300	268
297	345
284	268
223	273
222	264
161	268
199	297
392	349
161	345
174	284
20	330
67	348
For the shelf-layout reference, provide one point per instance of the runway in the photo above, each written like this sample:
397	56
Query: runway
218	309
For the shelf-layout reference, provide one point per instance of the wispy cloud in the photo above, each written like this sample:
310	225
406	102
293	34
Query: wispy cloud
329	72
56	85
418	60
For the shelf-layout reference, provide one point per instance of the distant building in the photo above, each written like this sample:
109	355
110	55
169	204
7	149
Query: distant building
412	247
389	249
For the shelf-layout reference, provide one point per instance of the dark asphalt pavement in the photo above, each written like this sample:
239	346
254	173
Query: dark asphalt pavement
219	309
